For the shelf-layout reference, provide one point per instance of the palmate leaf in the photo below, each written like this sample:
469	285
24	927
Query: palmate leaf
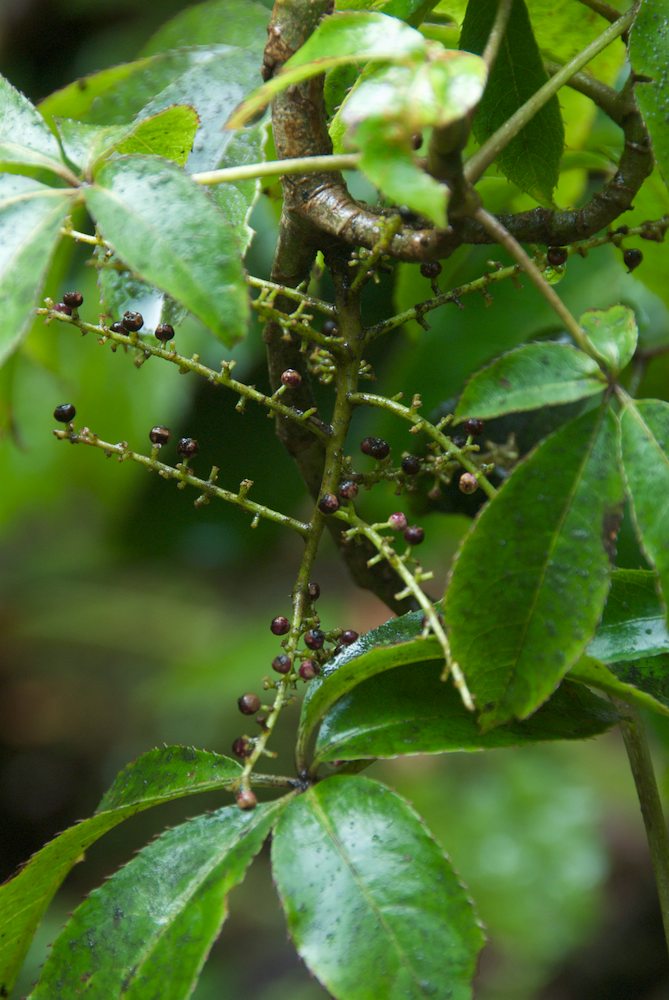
649	43
147	931
530	582
372	903
157	776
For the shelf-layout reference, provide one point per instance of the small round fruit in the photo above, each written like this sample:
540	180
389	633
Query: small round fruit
413	535
468	483
348	489
73	299
164	332
291	378
314	638
159	436
246	799
556	256
248	703
62	307
308	670
280	625
330	328
64	413
473	427
416	140
349	636
632	258
132	321
430	269
398	521
375	447
241	747
314	591
188	447
328	504
410	465
117	327
281	664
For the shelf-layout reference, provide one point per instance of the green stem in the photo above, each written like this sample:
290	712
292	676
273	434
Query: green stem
497	32
499	140
279	168
641	765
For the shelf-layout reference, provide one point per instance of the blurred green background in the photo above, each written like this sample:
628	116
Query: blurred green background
131	619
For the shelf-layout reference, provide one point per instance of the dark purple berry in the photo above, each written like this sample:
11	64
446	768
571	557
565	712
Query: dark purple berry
413	535
73	299
132	321
159	435
248	704
398	521
473	427
410	465
430	269
348	637
117	328
348	489
376	447
280	625
291	378
163	332
62	307
459	440
328	503
314	591
417	140
246	799
556	256
188	447
632	259
241	747
308	670
330	328
64	413
314	638
468	483
281	664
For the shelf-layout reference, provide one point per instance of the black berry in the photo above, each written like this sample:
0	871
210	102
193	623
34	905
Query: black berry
376	447
308	670
281	664
163	332
280	625
117	328
188	447
159	435
314	591
410	465
291	378
132	321
330	328
413	535
398	521
417	140
73	299
468	483
473	427
406	214
248	704
348	489
314	638
241	747
632	259
328	503
556	256
64	413
430	269
348	637
246	799
62	307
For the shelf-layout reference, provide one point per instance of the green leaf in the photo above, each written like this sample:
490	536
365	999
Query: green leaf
649	43
31	217
613	334
412	711
241	23
642	682
339	40
148	930
532	159
530	581
645	453
530	377
170	233
411	11
157	776
633	625
24	135
372	903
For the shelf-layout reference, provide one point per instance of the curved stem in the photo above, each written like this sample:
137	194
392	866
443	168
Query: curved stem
279	168
497	32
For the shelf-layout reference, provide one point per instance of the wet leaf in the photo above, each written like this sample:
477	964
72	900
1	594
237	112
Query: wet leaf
613	333
372	903
644	683
649	43
633	625
25	138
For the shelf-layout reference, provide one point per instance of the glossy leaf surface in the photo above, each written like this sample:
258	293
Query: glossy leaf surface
613	333
242	23
530	581
649	44
170	233
645	451
644	683
532	159
31	216
415	712
147	931
528	378
158	776
22	128
633	625
372	902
